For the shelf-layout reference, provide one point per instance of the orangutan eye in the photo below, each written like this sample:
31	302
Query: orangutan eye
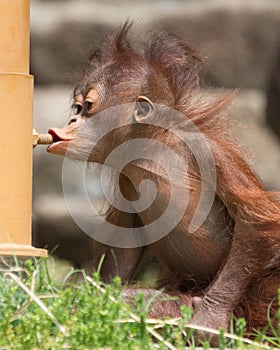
88	105
77	107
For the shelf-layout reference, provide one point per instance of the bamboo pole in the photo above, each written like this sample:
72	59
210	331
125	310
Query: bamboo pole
16	101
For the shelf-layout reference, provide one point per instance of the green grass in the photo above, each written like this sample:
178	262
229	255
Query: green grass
38	312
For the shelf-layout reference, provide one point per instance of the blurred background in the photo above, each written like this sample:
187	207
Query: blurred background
239	40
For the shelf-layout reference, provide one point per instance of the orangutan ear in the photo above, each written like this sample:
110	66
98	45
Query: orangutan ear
144	108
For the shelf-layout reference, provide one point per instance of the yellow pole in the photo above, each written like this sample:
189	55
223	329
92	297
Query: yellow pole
16	101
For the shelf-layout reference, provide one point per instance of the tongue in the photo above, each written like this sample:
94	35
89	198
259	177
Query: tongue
59	135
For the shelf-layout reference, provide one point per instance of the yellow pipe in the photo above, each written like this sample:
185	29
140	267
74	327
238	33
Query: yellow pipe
16	101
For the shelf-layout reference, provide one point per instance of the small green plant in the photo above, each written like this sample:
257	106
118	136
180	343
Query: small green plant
79	312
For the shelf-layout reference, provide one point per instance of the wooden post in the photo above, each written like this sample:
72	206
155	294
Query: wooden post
16	105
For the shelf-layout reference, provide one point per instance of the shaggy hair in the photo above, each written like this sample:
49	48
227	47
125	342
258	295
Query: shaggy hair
167	71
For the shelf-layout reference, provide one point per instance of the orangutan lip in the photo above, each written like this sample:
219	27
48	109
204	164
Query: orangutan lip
56	138
56	145
59	135
61	141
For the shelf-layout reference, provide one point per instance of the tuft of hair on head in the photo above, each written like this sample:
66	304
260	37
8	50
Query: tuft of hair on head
177	61
117	48
168	54
119	42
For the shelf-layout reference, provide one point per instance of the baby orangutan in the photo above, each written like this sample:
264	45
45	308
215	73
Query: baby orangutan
227	264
